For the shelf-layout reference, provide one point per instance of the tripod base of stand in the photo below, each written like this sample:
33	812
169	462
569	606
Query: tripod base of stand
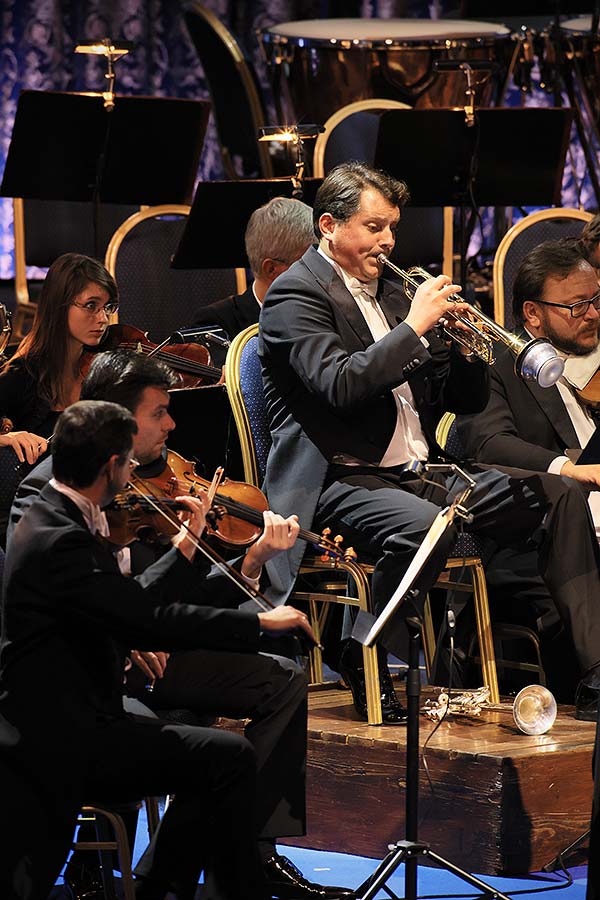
559	861
409	852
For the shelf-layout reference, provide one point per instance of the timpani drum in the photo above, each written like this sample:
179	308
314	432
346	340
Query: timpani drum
582	51
324	64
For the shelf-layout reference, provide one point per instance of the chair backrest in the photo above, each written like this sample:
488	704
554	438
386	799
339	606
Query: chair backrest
44	230
243	379
11	475
521	239
424	235
236	102
153	296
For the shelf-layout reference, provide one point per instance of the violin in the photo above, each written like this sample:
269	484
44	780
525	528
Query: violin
191	362
162	508
235	518
590	394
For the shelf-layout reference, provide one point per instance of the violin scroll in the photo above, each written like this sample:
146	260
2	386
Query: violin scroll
333	551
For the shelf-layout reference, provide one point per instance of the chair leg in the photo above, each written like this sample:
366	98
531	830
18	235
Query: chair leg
484	632
105	847
370	662
428	633
152	814
316	657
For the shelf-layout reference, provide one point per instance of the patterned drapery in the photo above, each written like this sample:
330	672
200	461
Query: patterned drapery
36	51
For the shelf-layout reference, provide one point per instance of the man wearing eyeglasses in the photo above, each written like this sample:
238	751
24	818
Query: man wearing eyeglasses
555	296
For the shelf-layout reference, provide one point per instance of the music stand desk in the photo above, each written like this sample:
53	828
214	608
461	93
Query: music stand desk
67	146
214	233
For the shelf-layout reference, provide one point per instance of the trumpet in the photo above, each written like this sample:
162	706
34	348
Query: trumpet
535	360
533	710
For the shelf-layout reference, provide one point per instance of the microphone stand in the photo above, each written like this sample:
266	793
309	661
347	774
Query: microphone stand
366	630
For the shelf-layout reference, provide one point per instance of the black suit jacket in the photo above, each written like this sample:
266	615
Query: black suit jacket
233	314
328	386
523	425
68	613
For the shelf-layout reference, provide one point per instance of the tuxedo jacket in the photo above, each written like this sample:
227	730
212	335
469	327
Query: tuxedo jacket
68	614
233	314
523	425
328	386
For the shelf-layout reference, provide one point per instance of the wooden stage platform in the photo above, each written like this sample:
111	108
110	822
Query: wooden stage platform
502	802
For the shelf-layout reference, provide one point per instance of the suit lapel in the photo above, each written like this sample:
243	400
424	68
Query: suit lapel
393	302
335	288
551	404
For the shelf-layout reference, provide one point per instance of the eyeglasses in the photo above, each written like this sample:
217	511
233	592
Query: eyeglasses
93	309
576	309
133	463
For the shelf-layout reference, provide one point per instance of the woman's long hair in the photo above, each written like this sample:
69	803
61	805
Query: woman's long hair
44	349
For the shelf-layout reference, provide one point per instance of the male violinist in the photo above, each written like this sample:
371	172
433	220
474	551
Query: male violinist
356	379
555	296
269	691
67	614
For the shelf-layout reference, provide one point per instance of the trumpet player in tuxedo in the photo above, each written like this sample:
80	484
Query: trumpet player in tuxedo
356	379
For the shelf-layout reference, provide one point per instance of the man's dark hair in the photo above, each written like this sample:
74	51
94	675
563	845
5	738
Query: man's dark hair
590	236
340	192
551	258
87	434
121	376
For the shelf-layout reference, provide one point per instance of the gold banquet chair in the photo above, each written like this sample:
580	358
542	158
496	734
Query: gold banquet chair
153	296
243	379
544	225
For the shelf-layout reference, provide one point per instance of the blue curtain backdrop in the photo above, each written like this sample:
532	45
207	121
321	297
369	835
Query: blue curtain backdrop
36	49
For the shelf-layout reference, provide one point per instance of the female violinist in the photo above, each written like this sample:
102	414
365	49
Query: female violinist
44	375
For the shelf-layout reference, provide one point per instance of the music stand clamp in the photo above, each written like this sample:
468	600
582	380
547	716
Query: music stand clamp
366	631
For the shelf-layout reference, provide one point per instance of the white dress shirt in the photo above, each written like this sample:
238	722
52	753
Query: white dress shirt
408	441
96	521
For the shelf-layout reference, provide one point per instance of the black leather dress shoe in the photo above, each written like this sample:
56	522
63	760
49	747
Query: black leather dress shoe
286	882
84	881
586	702
392	711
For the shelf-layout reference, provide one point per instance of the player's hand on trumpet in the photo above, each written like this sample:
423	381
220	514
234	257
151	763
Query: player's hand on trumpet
432	303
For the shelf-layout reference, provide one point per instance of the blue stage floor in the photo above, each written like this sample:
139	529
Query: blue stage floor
351	871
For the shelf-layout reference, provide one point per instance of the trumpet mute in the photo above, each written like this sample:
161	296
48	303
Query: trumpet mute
539	362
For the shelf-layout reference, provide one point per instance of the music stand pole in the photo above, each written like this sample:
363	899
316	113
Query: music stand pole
366	630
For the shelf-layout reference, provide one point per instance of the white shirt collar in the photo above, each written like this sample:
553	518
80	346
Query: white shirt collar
94	518
355	286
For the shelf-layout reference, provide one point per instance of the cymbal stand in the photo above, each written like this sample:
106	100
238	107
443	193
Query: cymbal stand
570	74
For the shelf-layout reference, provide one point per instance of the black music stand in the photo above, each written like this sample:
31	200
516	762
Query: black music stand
366	630
223	208
509	157
67	146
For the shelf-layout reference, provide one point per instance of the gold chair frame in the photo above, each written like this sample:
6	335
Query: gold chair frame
120	843
254	101
312	563
378	103
504	245
478	587
154	212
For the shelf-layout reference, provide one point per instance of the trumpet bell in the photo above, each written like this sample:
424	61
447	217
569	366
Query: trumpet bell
539	362
534	709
